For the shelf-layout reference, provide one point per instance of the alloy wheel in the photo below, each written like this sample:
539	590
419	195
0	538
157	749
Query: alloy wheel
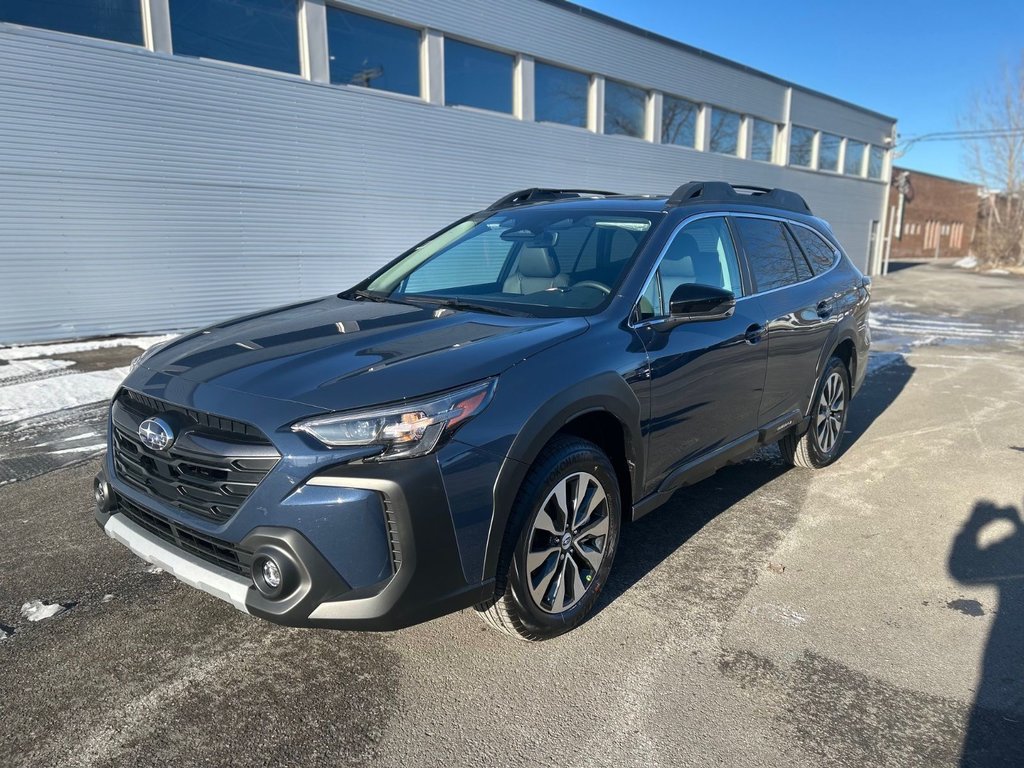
831	412
567	542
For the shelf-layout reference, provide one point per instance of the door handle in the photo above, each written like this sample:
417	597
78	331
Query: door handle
824	308
754	333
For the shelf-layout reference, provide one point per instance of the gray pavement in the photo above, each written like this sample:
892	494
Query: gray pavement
764	617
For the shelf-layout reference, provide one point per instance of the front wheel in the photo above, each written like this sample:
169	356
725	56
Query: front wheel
820	445
570	512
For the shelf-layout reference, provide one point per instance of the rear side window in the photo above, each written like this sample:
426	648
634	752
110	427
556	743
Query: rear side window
775	261
821	255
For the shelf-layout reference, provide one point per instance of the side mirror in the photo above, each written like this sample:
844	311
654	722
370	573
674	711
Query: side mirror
693	302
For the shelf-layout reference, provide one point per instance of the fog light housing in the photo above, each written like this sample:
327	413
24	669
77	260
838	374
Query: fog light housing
271	573
102	494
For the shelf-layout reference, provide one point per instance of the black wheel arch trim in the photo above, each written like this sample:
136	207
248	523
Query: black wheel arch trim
607	392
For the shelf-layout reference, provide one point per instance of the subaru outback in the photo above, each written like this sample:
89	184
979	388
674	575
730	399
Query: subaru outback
473	424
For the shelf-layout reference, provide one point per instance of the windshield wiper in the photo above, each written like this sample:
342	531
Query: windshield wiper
453	303
378	297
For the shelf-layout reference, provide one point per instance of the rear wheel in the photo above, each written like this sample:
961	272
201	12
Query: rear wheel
568	512
820	445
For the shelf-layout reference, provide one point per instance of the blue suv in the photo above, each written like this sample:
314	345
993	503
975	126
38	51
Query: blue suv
472	425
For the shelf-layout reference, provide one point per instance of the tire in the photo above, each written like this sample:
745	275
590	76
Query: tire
822	443
556	557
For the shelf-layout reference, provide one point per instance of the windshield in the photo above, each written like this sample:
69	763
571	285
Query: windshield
530	261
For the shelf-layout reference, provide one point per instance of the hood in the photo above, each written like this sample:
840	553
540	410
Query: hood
336	354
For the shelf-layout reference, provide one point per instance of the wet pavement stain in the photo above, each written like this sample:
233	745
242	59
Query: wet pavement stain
967	607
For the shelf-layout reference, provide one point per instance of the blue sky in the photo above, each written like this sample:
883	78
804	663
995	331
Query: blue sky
917	61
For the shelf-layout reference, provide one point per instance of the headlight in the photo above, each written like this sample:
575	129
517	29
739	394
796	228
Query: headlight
410	429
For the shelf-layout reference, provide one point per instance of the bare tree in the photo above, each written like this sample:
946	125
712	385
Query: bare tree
997	161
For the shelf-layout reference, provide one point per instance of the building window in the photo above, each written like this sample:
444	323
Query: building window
119	20
876	160
624	109
679	122
801	146
257	33
762	140
828	152
373	53
477	77
725	132
560	95
853	164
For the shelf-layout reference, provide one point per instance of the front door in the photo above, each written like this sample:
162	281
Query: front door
706	377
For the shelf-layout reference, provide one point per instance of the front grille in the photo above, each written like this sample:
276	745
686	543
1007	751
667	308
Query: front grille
215	551
213	465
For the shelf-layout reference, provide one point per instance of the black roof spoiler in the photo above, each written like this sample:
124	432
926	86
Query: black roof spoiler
695	192
539	195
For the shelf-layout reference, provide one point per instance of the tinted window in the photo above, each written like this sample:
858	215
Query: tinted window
828	152
678	122
803	269
373	53
770	254
475	260
477	77
821	255
876	160
703	253
624	109
801	146
854	160
119	20
725	132
258	33
762	140
560	95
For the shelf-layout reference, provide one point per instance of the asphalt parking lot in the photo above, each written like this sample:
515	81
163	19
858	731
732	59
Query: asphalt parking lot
871	614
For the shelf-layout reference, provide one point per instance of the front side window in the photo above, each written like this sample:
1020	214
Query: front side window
533	261
828	152
372	53
477	77
774	258
853	162
257	33
625	108
119	20
702	253
876	161
679	122
560	95
762	140
821	254
725	132
801	147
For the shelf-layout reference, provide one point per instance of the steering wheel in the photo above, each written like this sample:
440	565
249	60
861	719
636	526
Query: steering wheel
593	284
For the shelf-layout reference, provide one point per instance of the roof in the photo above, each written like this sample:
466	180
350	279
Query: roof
646	33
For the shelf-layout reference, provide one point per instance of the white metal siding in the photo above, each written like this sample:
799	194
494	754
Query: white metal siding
140	191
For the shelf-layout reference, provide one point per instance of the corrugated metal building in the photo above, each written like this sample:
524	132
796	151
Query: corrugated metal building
168	163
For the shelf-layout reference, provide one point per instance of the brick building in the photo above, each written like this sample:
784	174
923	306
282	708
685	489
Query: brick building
939	216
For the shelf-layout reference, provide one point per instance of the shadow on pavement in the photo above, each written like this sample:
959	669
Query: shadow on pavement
896	266
995	730
646	544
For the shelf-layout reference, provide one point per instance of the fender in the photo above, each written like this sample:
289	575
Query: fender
606	392
842	332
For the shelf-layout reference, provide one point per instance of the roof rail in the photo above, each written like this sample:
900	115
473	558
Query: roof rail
720	192
539	194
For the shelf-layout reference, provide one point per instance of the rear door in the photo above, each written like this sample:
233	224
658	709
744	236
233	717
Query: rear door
797	311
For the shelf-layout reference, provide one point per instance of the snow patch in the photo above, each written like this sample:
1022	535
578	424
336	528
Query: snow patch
80	449
35	398
154	569
48	350
967	262
107	598
18	368
997	271
37	610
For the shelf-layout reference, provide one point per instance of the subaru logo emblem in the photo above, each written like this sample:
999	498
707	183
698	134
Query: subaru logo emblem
156	434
